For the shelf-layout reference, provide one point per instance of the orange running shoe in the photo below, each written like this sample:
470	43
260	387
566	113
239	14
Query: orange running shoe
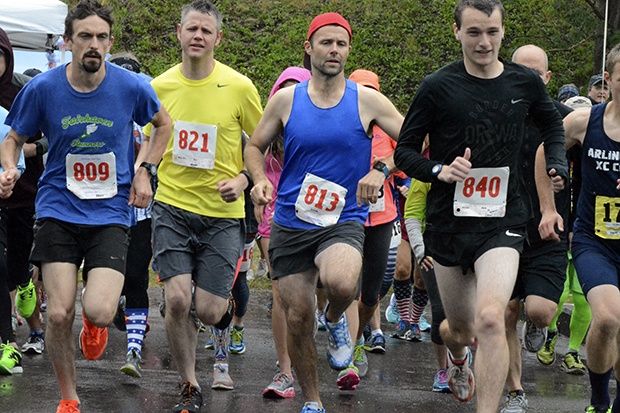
93	339
68	406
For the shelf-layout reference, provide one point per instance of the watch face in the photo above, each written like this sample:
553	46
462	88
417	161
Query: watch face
436	169
152	168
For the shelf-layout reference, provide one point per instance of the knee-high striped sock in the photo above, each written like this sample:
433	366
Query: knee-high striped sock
419	299
402	292
135	319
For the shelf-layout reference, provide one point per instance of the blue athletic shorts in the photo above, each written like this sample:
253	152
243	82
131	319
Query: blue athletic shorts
597	261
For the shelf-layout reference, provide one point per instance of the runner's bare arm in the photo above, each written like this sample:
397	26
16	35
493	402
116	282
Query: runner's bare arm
9	156
141	192
268	129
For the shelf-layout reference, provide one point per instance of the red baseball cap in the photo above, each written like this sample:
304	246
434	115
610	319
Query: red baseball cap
328	19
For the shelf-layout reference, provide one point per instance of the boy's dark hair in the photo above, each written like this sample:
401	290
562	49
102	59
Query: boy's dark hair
485	6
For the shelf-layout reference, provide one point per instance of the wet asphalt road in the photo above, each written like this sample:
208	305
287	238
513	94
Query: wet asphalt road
399	381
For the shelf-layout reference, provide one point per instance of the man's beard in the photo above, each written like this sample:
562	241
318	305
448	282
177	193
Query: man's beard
92	65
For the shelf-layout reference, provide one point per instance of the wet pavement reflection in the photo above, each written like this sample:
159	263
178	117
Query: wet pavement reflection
399	381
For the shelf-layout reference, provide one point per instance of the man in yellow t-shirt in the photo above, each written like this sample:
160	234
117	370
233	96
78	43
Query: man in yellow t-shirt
199	207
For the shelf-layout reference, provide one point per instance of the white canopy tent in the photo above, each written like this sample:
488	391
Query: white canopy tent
33	24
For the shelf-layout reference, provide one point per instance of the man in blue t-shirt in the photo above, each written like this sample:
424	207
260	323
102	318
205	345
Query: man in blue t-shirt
86	109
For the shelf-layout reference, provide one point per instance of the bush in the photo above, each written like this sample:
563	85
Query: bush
401	40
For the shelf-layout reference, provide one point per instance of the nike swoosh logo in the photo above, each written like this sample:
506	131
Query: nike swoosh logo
220	85
513	101
512	234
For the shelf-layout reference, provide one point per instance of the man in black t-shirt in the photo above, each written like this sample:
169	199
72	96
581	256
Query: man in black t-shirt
474	111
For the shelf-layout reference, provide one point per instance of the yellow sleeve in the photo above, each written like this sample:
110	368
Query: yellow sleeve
415	206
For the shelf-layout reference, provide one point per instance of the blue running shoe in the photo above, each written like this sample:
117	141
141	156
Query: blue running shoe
367	332
237	344
312	407
220	342
402	331
441	382
424	325
376	344
339	345
414	333
209	344
391	312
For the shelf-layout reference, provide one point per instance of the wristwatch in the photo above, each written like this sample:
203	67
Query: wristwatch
436	170
380	166
151	167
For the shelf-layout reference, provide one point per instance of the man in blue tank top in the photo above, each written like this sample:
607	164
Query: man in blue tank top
323	195
596	236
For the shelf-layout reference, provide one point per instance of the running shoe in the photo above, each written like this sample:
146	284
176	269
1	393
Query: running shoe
93	339
546	355
133	363
461	378
360	360
119	318
319	315
190	400
440	385
425	327
312	407
339	345
572	364
532	337
592	409
26	299
237	345
367	333
35	343
262	268
516	402
220	343
209	343
348	379
43	300
280	388
68	406
221	378
414	333
376	344
14	323
402	331
391	312
10	360
270	307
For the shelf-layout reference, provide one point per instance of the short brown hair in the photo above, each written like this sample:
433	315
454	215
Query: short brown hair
84	9
485	6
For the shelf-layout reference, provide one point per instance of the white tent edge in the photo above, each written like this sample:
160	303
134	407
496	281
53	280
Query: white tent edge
33	24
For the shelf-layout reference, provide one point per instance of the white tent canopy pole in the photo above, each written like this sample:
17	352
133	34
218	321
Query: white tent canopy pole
605	36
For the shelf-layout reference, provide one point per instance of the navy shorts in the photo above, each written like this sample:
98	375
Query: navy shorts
596	261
